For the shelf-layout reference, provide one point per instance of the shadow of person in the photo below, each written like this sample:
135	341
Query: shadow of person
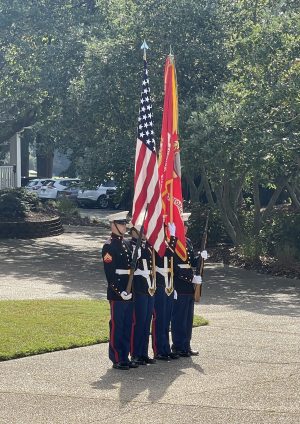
149	382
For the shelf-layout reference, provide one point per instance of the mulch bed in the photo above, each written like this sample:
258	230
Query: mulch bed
265	265
83	222
32	217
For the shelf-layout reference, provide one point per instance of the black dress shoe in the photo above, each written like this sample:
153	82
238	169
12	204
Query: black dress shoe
148	360
193	352
173	355
121	366
183	354
161	357
138	361
133	364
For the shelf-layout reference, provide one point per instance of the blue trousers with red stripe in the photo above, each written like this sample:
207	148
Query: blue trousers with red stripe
142	314
163	306
182	322
120	330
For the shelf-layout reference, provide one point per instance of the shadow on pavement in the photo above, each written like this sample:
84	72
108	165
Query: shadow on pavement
75	267
250	291
134	383
73	262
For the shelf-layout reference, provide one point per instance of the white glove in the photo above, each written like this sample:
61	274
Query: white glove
197	279
172	228
126	296
204	254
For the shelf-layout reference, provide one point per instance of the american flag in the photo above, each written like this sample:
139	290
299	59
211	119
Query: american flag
146	180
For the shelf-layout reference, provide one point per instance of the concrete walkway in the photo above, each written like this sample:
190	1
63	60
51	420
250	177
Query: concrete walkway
248	370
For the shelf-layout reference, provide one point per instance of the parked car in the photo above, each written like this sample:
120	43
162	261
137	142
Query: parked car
70	192
37	183
51	190
101	196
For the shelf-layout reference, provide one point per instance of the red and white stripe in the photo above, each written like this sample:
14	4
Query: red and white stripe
147	191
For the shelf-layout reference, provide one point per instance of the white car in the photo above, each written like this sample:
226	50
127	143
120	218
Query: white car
37	183
51	190
100	197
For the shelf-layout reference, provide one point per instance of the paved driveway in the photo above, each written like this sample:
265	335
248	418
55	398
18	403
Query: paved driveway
248	370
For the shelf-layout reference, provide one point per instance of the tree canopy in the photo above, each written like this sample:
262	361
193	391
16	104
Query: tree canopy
72	70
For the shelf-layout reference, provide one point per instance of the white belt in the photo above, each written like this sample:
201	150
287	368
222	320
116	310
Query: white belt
163	271
142	272
184	265
145	273
122	271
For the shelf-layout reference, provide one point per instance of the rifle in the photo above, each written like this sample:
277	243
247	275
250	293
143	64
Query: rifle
135	255
200	265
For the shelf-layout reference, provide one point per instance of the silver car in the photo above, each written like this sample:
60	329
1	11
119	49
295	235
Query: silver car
51	190
37	183
100	197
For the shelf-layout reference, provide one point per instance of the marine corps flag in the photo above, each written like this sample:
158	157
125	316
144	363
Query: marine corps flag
169	168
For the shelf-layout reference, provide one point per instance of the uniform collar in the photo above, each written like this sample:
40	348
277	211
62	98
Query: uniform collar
115	236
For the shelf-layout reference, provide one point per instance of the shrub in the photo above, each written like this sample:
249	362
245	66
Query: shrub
281	233
216	230
12	206
16	203
66	207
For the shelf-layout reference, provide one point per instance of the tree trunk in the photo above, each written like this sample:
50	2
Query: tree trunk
257	218
207	188
280	186
44	158
293	194
226	221
192	189
257	207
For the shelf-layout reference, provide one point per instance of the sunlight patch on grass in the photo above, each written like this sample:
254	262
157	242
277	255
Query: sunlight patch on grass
30	327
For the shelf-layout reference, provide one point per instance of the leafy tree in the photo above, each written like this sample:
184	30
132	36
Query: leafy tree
41	45
247	135
100	119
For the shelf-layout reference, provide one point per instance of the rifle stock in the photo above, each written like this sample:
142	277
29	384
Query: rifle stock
200	266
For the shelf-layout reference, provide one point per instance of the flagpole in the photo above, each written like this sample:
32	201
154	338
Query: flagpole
145	47
171	289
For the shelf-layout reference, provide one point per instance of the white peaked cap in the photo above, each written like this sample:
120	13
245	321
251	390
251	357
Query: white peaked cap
185	216
118	217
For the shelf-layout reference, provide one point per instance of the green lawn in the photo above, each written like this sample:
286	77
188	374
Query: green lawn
30	327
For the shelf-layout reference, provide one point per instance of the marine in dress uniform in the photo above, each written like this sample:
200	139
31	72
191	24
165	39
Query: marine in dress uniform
163	301
117	256
143	289
183	308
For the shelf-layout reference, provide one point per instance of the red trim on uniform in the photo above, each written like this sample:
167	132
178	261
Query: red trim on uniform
154	335
112	334
132	333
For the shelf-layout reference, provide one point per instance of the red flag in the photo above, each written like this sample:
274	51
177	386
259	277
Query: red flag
169	158
146	180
